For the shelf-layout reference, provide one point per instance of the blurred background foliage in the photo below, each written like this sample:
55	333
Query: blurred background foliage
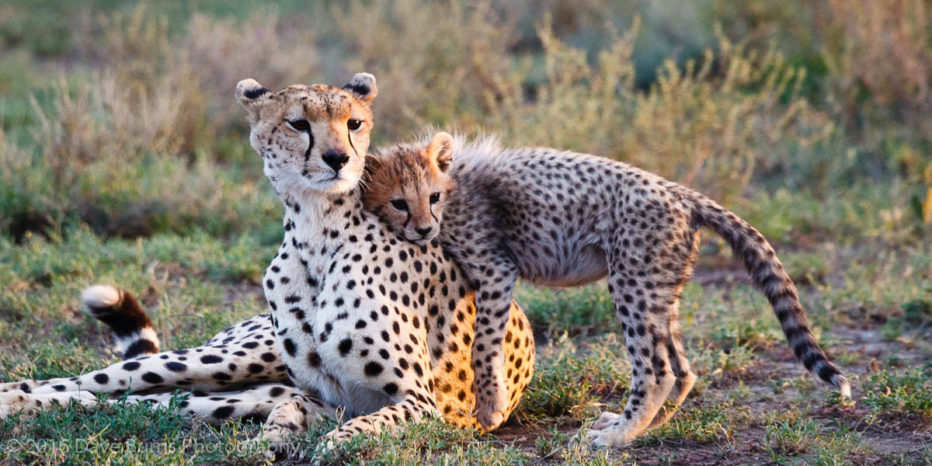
810	118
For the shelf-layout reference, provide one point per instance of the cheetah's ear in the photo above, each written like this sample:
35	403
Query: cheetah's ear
441	150
363	87
252	96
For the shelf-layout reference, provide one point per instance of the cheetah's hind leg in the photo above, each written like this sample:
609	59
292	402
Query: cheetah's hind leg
645	303
685	377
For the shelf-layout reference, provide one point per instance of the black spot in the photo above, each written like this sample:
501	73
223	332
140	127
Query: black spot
176	366
222	412
152	377
373	368
390	388
255	368
313	359
345	346
101	378
211	359
131	366
289	347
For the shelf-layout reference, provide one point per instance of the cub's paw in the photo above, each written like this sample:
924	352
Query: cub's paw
609	430
491	401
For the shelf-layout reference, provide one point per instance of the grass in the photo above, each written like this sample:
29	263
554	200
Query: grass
123	160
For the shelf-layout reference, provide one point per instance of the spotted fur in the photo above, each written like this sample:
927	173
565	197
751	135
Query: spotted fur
237	373
375	325
564	219
364	324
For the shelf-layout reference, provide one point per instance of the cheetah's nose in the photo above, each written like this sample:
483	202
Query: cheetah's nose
423	231
335	159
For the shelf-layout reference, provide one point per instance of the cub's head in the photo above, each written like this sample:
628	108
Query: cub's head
310	137
407	187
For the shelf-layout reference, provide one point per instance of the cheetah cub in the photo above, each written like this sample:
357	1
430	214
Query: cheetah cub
559	218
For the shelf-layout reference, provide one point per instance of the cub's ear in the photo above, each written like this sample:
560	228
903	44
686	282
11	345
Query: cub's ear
363	87
440	149
252	96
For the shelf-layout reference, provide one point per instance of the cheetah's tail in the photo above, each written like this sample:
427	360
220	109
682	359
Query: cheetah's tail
768	274
129	322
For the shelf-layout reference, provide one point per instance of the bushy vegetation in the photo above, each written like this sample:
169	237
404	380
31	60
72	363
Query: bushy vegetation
124	159
127	123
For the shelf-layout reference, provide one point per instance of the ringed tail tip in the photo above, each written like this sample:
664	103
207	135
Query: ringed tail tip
100	296
840	382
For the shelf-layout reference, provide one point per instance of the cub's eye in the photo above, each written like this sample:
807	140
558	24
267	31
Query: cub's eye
400	204
434	198
301	125
354	125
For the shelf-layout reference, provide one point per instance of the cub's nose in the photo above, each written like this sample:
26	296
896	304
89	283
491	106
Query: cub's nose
335	159
423	231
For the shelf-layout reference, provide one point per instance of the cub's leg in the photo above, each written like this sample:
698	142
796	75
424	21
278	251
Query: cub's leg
679	364
685	377
493	277
645	285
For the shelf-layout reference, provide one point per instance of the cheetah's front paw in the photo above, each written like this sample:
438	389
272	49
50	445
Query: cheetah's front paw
491	402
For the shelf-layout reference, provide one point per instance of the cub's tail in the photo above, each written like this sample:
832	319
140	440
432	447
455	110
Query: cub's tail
768	274
120	311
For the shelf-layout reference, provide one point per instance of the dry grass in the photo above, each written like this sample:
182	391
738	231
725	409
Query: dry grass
144	88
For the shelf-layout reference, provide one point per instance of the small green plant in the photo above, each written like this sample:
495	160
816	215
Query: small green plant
891	395
707	424
791	437
572	381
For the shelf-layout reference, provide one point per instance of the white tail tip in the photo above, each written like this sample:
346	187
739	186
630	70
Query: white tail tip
843	386
99	296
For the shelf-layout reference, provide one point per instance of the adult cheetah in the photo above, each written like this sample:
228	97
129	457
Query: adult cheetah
369	321
420	341
563	219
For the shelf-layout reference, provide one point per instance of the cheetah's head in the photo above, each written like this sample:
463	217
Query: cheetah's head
407	187
310	137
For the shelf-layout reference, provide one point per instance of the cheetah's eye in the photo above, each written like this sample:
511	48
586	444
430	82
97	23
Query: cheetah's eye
300	125
400	204
434	198
354	125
